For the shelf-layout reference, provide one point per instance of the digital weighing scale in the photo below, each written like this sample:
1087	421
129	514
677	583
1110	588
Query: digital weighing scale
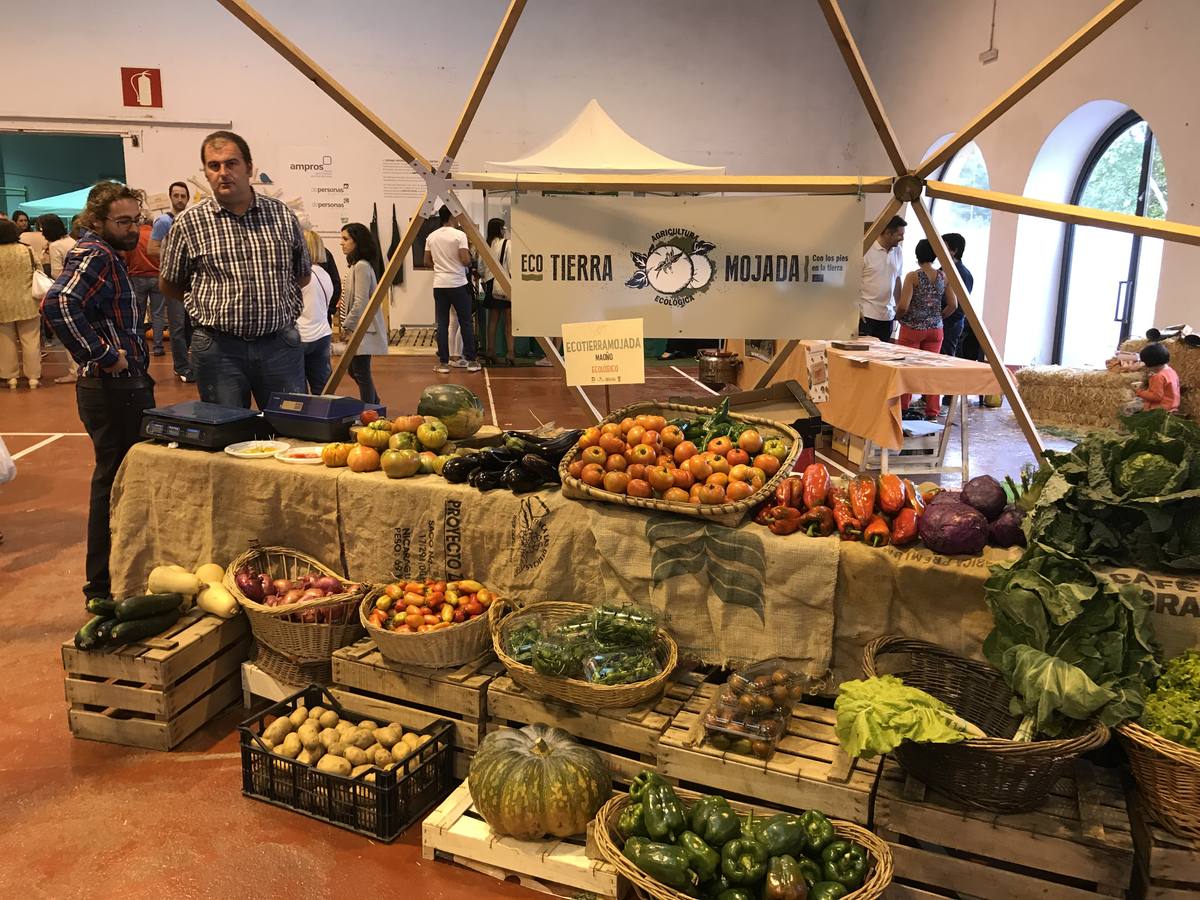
316	417
204	425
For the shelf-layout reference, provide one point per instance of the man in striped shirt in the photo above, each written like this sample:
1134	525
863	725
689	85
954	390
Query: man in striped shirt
93	310
238	262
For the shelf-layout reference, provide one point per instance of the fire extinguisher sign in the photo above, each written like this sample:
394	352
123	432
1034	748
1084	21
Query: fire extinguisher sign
141	87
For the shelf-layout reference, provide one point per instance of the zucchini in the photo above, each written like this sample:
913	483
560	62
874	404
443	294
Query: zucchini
137	629
90	637
146	606
102	606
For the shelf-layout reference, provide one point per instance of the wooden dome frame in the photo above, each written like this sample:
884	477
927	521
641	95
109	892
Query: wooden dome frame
908	185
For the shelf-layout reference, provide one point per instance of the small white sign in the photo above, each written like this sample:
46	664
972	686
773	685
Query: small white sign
604	352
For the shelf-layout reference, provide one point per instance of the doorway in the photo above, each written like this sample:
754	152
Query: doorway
37	166
1109	281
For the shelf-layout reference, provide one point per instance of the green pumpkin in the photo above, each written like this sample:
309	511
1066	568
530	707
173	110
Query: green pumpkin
458	407
537	780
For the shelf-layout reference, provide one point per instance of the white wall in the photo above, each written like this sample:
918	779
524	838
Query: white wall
924	61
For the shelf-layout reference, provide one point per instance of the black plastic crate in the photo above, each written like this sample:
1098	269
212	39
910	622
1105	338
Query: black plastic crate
398	798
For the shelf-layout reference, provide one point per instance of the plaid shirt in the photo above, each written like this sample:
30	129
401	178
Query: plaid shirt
240	272
94	311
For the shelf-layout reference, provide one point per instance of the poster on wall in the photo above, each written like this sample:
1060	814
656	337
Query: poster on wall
701	267
311	173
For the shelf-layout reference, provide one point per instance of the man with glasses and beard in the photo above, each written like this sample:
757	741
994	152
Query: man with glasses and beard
93	310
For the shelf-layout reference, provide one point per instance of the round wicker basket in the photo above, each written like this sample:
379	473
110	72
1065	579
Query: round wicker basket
993	773
289	649
503	617
878	878
439	649
1168	776
723	513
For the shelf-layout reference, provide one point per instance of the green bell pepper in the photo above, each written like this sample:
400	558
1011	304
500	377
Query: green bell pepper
663	812
810	869
818	831
631	822
641	782
715	821
844	861
662	862
785	880
827	890
735	894
744	861
781	835
704	860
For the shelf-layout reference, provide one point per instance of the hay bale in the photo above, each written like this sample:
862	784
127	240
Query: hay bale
1080	398
1186	361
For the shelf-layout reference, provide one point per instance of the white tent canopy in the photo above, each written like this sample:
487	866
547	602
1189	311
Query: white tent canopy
593	142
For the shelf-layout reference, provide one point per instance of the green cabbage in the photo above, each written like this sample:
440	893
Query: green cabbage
876	715
1146	474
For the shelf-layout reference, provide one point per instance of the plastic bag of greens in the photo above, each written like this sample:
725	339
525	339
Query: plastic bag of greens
577	628
560	657
620	667
623	626
521	640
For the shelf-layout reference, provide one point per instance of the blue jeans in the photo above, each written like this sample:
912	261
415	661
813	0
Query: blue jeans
229	369
316	364
145	288
177	318
360	371
952	332
460	299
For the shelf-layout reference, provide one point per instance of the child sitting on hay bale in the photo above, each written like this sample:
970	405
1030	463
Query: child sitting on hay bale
1160	388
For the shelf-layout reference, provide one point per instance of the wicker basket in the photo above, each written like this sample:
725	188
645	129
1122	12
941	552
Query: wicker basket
992	773
439	649
295	652
723	513
878	879
1168	776
503	617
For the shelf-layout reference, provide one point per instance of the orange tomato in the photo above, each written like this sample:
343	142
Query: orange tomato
750	441
720	464
712	493
699	468
592	474
642	420
655	423
741	473
594	454
363	459
717	478
684	450
575	469
653	438
666	459
738	490
626	424
720	445
612	443
769	464
637	471
676	495
610	428
660	478
683	478
639	488
672	436
738	457
590	437
635	434
616	463
694	493
616	482
644	454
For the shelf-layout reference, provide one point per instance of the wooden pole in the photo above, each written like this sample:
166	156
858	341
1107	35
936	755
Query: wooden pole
1063	212
676	184
776	363
1007	384
1099	24
876	229
862	81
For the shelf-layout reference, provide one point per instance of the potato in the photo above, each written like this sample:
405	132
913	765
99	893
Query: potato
337	748
360	738
376	746
368	724
334	764
382	757
328	719
344	727
410	739
270	745
278	730
369	778
328	737
316	712
311	757
310	735
359	770
390	766
299	717
387	737
424	739
290	747
355	756
400	750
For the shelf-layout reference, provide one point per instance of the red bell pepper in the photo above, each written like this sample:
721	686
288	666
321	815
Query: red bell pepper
790	492
892	494
904	527
877	533
849	526
762	512
818	522
862	497
913	497
816	485
784	520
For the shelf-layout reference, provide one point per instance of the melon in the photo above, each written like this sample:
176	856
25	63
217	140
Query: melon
455	405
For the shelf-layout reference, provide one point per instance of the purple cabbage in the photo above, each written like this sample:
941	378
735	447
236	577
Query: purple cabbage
985	494
1006	530
953	528
945	497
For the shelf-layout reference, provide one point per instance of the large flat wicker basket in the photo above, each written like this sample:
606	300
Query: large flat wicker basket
722	513
296	652
503	616
878	878
1168	776
993	773
440	649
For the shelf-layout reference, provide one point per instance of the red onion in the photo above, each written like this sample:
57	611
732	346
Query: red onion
328	584
313	593
250	586
268	586
282	585
295	595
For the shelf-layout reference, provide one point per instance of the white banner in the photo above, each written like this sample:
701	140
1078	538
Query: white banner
715	267
310	173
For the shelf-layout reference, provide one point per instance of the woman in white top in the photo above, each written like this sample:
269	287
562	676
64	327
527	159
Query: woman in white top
313	324
497	303
365	268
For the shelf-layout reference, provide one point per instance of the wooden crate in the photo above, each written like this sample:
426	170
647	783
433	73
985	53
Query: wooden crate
1077	846
455	831
259	683
458	694
1168	867
627	739
157	692
808	770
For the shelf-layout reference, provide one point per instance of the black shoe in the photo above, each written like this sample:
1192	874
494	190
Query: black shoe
159	352
188	379
912	415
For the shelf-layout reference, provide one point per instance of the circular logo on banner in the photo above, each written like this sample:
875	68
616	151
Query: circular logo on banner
676	267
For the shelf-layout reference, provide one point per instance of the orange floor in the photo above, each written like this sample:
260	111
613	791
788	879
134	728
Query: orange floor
85	819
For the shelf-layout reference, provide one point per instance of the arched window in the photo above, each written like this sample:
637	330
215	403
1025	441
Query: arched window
1109	280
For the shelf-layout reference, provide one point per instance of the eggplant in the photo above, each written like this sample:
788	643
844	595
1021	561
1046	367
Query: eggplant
486	479
550	449
538	466
521	480
459	468
497	459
